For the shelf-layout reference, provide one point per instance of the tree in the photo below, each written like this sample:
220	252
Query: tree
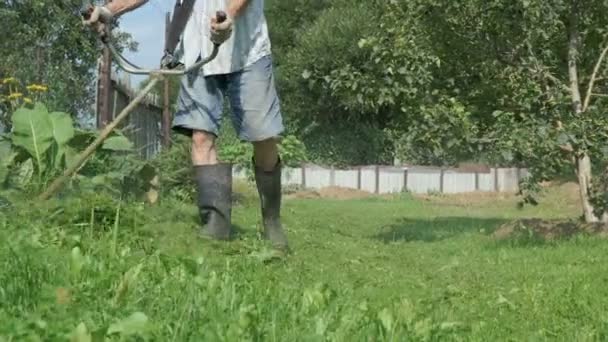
46	43
537	65
381	72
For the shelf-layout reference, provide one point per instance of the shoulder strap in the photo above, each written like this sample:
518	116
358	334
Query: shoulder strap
181	15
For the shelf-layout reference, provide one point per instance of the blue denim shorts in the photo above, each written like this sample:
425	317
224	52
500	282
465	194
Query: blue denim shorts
254	102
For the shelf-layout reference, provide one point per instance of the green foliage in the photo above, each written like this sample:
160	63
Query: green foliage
43	137
342	144
43	144
344	283
443	134
48	44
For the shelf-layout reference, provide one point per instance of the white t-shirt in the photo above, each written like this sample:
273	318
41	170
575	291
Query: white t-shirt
248	43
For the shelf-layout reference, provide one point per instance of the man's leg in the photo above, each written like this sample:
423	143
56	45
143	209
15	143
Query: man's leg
257	119
199	116
203	148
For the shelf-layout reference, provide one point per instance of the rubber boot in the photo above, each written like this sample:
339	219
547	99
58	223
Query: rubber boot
269	189
214	185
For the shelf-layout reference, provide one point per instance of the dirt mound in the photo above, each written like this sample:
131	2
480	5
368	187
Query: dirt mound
467	199
332	192
548	230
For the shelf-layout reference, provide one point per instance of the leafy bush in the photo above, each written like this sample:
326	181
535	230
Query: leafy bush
342	144
42	144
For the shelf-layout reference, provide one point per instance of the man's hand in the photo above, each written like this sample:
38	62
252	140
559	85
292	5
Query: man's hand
220	32
168	61
98	18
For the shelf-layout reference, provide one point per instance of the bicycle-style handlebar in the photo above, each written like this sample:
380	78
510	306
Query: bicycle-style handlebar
131	68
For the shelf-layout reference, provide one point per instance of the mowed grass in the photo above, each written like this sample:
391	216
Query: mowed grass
376	269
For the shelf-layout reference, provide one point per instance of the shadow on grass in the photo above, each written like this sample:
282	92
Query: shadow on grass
430	230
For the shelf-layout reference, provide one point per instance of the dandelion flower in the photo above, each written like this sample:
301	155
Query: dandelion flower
27	100
14	96
37	87
9	80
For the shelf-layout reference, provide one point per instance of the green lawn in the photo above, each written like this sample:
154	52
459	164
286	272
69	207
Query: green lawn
361	270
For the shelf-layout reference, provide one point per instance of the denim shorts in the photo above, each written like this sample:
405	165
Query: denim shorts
254	102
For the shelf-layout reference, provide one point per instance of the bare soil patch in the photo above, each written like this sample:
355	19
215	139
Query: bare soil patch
332	192
548	230
467	199
567	194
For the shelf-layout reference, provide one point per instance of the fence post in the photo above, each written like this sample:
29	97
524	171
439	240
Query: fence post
476	180
405	179
105	82
332	176
303	175
496	179
166	116
359	178
441	172
377	179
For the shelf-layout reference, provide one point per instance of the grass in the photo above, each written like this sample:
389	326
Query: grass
377	269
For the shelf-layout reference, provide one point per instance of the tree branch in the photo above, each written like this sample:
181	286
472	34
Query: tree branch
596	69
573	46
557	81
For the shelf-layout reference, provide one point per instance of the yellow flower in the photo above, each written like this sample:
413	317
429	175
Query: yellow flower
27	100
14	96
9	80
37	87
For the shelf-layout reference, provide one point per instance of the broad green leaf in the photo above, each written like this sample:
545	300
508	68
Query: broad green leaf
32	130
82	139
57	153
118	143
25	173
137	323
63	127
63	132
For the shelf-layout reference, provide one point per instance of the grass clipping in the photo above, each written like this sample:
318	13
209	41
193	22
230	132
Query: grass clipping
548	230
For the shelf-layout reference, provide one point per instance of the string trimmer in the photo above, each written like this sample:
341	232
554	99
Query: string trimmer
156	75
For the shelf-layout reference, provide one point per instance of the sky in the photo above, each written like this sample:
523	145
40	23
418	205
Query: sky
147	26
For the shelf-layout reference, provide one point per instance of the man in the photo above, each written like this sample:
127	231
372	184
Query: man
242	70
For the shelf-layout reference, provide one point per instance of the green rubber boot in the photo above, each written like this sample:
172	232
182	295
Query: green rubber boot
269	190
214	185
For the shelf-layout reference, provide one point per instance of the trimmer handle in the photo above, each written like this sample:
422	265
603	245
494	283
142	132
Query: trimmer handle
86	11
220	16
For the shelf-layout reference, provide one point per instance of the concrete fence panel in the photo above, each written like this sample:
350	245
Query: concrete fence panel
385	180
317	177
486	181
292	176
391	180
346	178
456	182
368	179
508	180
423	181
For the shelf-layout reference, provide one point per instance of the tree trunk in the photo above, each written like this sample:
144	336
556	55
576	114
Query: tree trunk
583	172
583	161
